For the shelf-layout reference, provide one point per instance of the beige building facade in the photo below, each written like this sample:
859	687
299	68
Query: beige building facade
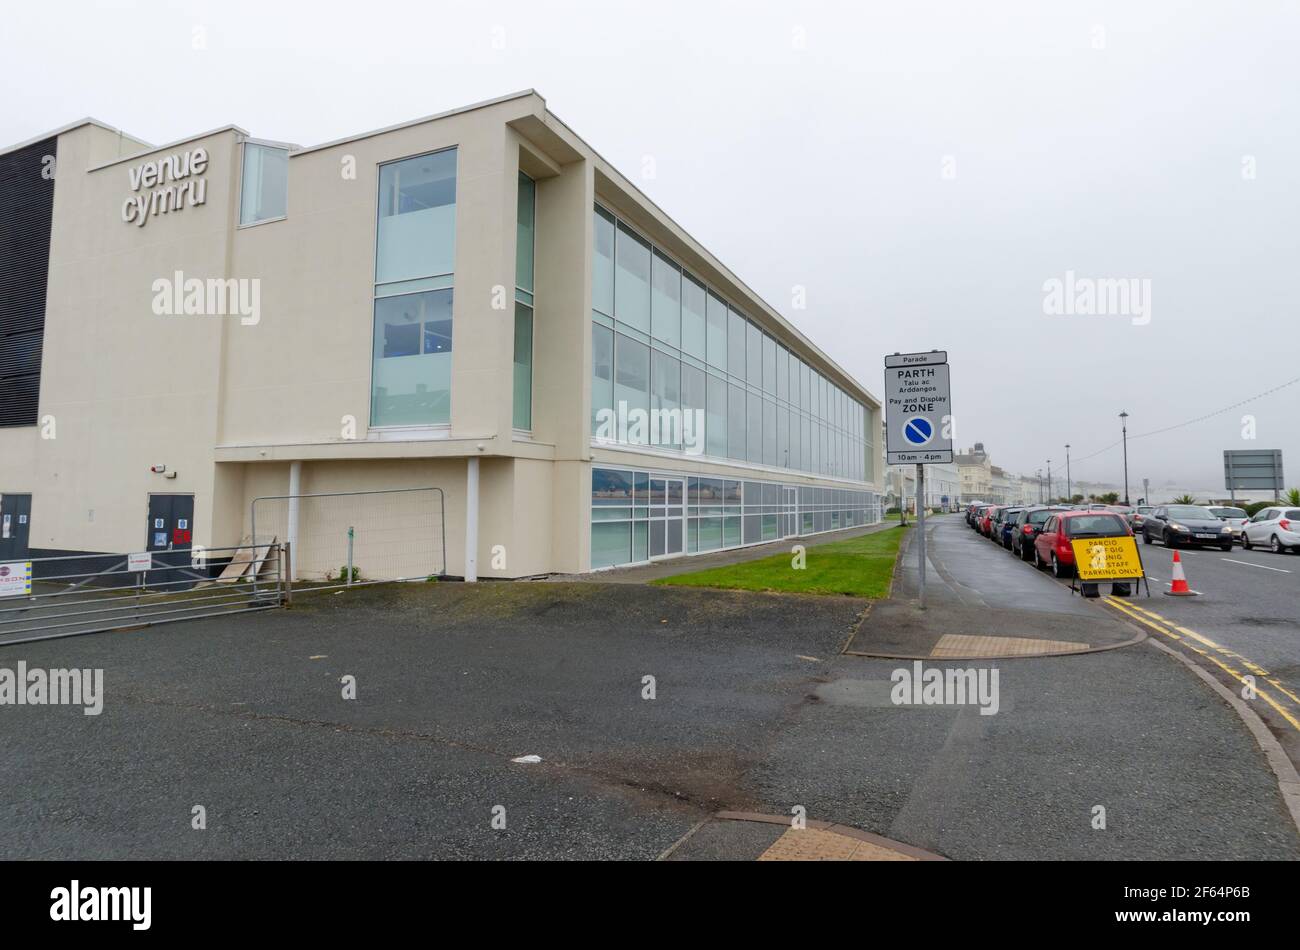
475	302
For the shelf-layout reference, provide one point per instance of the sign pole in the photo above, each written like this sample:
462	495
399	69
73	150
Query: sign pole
920	528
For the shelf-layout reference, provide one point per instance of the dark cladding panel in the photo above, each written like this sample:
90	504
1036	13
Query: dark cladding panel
26	210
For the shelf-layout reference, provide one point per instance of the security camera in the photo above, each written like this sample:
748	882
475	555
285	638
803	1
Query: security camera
157	469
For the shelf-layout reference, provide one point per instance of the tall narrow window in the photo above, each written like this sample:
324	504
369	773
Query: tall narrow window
523	402
264	188
414	262
525	231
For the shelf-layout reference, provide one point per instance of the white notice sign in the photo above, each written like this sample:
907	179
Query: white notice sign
918	409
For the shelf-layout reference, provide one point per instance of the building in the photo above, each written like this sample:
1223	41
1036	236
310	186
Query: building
976	473
474	301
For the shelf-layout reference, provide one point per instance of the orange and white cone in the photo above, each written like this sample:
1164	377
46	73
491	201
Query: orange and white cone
1178	587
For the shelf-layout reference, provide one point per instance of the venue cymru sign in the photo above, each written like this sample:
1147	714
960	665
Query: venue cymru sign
169	184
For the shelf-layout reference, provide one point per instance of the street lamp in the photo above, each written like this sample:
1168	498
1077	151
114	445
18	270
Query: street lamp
1049	481
1069	495
1123	416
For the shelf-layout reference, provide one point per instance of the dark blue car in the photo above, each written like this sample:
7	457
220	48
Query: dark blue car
1004	523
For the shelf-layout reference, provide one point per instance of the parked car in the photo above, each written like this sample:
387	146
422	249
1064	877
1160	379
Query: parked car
1186	524
1052	546
1234	518
986	520
1003	523
970	512
1027	525
978	515
1278	529
1139	515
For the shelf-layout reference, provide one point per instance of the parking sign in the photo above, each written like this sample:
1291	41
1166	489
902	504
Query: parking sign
918	409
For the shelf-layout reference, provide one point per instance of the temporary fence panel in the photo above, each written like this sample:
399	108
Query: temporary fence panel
356	537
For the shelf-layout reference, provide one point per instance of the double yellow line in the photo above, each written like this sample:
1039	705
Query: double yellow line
1213	652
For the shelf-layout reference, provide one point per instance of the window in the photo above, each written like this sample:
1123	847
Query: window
753	355
523	381
632	280
735	343
602	373
602	264
736	422
694	425
414	261
665	396
769	364
631	379
525	231
411	375
417	218
715	423
264	193
716	331
754	428
525	234
665	301
694	332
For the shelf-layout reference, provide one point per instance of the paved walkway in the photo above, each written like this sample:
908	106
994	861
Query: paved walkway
686	564
981	602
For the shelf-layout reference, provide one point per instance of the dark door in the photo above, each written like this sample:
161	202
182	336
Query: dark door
171	520
15	526
169	536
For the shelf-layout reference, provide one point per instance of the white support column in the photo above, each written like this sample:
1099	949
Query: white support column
295	489
471	521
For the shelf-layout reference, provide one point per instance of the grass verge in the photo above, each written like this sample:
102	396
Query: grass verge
858	567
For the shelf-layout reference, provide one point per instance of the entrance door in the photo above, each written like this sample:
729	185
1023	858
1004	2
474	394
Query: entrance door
171	523
169	536
667	514
15	526
789	511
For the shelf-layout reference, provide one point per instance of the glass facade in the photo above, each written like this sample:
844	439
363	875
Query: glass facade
414	262
658	330
640	515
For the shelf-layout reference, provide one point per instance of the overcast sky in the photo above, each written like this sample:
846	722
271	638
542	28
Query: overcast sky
921	168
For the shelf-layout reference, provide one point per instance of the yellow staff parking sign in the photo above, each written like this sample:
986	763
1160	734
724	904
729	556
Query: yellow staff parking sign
1107	559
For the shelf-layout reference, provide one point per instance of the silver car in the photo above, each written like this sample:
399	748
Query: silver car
1234	518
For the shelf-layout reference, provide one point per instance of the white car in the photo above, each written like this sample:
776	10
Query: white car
1277	529
1234	518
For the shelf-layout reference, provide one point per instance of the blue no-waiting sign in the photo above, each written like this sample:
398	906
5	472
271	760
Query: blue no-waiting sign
918	430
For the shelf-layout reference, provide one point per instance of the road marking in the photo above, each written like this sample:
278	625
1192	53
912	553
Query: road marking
1262	567
1132	610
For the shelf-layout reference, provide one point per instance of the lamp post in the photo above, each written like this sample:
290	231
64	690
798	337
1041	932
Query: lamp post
1123	417
1039	475
1049	481
1069	495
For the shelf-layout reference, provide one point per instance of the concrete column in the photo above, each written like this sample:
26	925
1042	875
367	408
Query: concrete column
471	520
295	489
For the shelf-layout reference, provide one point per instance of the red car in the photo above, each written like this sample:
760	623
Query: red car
1052	546
986	519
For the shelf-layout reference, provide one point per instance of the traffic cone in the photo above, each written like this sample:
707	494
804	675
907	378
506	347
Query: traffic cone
1179	586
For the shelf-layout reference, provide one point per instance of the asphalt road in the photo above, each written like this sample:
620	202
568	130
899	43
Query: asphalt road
755	709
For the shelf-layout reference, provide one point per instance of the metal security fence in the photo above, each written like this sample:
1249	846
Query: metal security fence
357	537
91	593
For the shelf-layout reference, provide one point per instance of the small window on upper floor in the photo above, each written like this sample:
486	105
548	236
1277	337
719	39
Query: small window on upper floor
265	189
